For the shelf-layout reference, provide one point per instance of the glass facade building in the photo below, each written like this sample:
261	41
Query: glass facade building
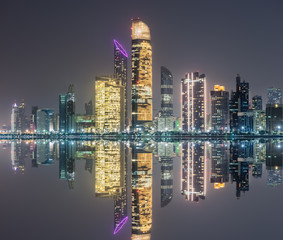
120	71
70	111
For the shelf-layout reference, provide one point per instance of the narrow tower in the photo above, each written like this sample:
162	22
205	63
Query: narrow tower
141	75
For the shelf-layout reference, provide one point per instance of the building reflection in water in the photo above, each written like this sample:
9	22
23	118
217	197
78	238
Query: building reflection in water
194	156
165	152
141	191
109	159
219	164
274	159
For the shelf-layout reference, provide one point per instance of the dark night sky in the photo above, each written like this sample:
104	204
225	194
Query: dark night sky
46	45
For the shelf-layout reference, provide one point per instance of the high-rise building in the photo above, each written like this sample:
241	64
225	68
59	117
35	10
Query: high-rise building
70	111
141	193
109	104
23	120
85	123
239	102
120	71
15	126
259	121
194	103
62	113
166	120
44	120
274	118
141	75
33	117
257	102
193	185
89	108
219	109
274	96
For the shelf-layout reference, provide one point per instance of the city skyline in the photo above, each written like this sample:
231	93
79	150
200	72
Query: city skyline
35	86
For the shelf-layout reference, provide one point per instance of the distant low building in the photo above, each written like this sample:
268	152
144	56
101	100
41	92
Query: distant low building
85	123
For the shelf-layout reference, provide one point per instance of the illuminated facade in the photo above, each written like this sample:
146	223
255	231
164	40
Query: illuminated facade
15	127
62	112
109	179
274	118
120	70
257	102
85	123
219	109
70	111
141	74
274	96
109	104
44	120
141	193
193	184
194	103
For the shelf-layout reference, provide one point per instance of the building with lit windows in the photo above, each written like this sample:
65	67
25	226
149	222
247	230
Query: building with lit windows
120	71
166	121
219	109
44	120
141	193
109	104
70	111
274	118
141	75
239	102
15	122
274	96
257	103
85	123
193	172
62	112
194	103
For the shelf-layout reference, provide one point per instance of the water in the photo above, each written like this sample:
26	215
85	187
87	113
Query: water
159	191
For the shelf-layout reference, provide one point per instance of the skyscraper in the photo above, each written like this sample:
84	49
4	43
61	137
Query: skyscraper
194	105
120	70
23	121
166	120
257	102
239	102
219	109
44	120
141	75
70	110
33	117
15	127
274	118
62	112
109	104
89	108
274	96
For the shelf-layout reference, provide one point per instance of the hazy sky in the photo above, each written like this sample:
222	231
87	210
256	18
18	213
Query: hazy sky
46	45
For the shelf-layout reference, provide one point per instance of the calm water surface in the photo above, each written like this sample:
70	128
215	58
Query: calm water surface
159	191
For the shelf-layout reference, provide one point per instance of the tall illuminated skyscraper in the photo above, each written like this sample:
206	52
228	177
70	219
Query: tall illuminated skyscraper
109	104
62	112
70	110
141	74
15	127
141	193
194	103
120	70
219	109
